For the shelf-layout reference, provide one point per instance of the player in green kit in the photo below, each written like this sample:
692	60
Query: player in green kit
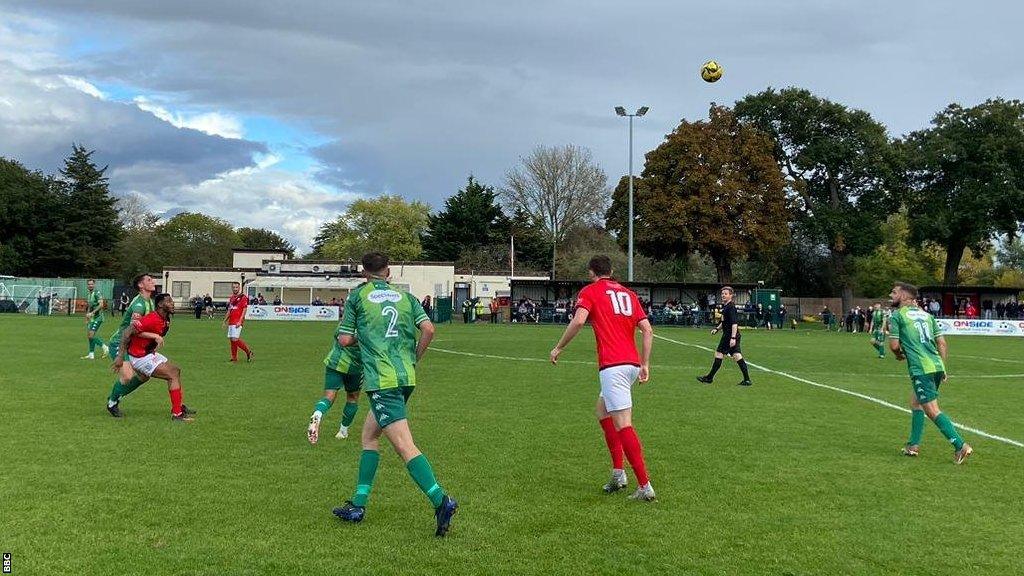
385	321
877	329
914	335
94	319
127	380
343	367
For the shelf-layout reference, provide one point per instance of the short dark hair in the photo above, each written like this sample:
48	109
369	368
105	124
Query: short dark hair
600	265
90	280
374	262
910	289
137	279
728	289
160	298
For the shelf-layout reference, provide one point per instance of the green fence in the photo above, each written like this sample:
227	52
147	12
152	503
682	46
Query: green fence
442	311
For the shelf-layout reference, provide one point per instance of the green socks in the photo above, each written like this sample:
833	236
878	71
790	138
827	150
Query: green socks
323	405
92	345
117	391
367	470
349	413
946	427
916	427
131	386
423	475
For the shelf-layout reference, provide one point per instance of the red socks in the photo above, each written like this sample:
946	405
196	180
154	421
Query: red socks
175	401
611	437
242	346
234	349
634	453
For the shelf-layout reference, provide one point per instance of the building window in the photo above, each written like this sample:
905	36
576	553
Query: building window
222	289
182	290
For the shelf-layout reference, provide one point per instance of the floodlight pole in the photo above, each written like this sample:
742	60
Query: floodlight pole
622	112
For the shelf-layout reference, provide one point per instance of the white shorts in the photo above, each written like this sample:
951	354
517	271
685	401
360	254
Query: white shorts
235	331
148	363
617	385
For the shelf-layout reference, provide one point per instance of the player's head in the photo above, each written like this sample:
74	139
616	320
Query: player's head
144	283
376	265
727	293
902	292
600	266
90	284
878	305
164	304
236	288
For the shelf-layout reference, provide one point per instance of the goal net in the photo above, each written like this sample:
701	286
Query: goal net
44	300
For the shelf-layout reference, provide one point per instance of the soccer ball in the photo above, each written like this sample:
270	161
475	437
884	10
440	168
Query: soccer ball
711	71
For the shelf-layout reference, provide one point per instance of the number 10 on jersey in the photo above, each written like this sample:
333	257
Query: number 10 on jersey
621	302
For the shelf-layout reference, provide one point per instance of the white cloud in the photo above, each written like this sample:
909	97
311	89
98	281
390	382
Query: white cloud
212	123
82	85
260	196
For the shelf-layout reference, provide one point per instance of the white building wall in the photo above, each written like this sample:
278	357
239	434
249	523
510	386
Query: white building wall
255	259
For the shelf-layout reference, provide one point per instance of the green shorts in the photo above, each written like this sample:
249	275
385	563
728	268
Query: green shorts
334	380
114	345
878	336
388	405
926	388
94	324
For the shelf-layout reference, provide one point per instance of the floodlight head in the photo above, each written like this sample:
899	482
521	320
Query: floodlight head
643	110
620	111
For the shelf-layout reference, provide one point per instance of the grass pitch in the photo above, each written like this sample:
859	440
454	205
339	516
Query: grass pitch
780	478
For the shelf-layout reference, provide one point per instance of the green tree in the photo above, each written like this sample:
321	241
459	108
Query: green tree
840	166
895	259
193	239
263	239
471	220
967	178
90	214
712	186
136	251
33	239
387	224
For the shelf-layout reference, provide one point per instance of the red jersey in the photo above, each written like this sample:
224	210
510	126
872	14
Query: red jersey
236	308
152	322
614	313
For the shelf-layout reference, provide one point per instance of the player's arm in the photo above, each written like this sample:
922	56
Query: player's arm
647	342
426	335
347	327
577	322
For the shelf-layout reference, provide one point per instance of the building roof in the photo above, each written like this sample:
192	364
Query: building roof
261	250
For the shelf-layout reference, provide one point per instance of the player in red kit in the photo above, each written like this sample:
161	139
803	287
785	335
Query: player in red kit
615	313
237	305
141	340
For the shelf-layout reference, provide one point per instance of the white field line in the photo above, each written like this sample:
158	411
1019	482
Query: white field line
849	392
990	359
542	360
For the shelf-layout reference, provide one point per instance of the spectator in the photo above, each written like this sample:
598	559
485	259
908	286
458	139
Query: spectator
428	306
495	310
827	317
935	308
769	318
197	307
334	302
986	307
122	304
208	304
1000	310
861	319
970	310
40	311
277	300
782	315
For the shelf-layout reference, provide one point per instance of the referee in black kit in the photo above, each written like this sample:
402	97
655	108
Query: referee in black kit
730	342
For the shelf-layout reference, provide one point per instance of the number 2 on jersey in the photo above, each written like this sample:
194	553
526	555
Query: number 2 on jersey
393	313
621	302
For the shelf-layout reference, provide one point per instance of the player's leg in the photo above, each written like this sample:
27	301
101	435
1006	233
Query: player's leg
126	381
241	345
611	438
355	509
715	366
616	391
157	366
912	447
926	390
353	383
332	383
738	357
90	335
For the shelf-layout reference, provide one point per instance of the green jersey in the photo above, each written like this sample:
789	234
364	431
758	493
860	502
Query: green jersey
92	302
137	308
917	331
877	320
386	321
344	359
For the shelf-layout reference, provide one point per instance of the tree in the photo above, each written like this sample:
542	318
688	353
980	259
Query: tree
33	240
895	259
712	186
263	239
471	220
90	214
193	239
386	224
967	178
840	167
561	188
